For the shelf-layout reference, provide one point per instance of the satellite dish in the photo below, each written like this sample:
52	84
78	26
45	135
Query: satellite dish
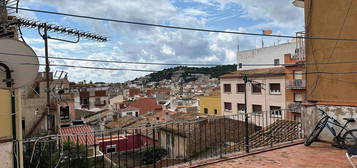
21	74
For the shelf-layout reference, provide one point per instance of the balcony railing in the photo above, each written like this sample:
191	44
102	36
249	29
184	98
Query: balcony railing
162	144
296	84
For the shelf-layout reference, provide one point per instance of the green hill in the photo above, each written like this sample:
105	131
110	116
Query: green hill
215	72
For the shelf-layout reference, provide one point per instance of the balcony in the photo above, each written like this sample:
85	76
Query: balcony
163	145
296	84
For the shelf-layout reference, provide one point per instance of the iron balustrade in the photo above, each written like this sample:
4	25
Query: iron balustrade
163	144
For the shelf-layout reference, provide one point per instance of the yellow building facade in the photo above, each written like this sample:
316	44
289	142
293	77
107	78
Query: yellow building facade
5	115
210	105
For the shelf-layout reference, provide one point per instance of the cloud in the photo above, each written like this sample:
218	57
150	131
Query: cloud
151	44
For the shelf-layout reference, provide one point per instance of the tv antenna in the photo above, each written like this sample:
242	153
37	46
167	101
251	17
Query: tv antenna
43	30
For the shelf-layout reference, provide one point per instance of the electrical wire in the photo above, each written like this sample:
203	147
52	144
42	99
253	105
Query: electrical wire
175	64
142	70
84	67
178	27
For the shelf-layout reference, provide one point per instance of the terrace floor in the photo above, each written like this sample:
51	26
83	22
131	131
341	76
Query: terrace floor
318	155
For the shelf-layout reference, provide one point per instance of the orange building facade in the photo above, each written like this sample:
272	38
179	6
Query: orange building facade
295	84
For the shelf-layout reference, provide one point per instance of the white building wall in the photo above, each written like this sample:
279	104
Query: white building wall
265	55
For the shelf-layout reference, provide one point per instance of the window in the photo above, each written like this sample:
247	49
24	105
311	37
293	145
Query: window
257	88
297	74
129	113
23	124
215	111
227	106
97	100
298	97
257	108
276	62
275	110
241	108
111	148
205	110
241	88
274	88
64	113
227	87
84	101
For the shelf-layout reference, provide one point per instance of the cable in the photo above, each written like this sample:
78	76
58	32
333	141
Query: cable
141	70
177	27
174	64
85	67
109	61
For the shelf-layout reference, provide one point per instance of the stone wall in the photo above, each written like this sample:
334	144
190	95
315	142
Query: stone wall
311	115
6	155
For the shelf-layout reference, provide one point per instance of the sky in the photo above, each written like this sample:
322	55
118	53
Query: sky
153	44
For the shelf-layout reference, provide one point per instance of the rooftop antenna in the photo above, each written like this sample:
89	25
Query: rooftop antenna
43	30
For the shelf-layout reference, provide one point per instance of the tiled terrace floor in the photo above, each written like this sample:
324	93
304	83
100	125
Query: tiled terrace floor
318	155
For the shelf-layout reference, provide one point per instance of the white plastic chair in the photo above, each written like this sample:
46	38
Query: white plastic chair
350	154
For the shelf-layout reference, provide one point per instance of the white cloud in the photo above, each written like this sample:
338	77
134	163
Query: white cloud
149	44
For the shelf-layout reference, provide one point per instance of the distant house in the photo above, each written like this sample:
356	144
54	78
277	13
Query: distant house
123	142
81	135
92	97
193	139
211	105
145	105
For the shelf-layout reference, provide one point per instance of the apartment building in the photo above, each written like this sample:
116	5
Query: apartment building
295	84
272	56
265	91
91	97
334	91
211	105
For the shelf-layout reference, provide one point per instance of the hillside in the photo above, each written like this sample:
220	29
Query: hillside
187	71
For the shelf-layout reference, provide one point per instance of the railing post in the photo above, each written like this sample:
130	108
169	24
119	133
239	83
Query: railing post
153	137
246	125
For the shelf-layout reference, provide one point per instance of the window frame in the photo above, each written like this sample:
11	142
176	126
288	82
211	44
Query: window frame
259	111
255	86
224	88
273	93
227	110
273	112
205	110
244	87
110	147
238	109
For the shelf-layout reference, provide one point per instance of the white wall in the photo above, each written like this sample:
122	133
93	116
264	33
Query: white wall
265	55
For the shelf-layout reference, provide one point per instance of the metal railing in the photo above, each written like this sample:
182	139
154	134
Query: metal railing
296	84
162	144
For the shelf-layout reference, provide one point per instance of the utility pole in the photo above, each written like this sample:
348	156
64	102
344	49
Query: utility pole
246	133
43	29
50	124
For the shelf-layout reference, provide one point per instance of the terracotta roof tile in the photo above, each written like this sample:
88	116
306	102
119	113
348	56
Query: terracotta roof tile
145	105
84	132
275	71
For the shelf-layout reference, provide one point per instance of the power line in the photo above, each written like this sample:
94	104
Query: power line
179	27
175	64
112	61
84	67
143	70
